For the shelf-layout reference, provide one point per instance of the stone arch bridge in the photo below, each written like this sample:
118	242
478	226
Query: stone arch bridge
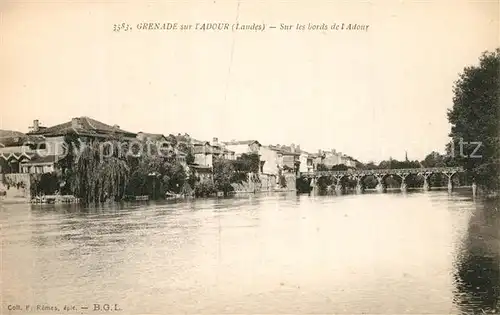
381	174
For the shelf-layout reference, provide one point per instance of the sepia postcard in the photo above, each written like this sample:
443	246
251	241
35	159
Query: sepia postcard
249	157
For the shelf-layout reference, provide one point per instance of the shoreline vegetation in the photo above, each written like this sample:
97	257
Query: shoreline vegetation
94	179
95	176
475	122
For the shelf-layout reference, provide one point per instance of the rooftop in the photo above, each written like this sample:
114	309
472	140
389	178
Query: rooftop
11	138
285	150
199	142
240	142
82	126
37	159
152	136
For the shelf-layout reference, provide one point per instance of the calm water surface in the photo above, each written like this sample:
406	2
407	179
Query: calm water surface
376	253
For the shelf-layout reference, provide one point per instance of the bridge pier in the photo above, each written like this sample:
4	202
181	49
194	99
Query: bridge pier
403	187
314	186
450	183
359	188
403	182
426	184
379	188
338	185
380	185
338	189
359	184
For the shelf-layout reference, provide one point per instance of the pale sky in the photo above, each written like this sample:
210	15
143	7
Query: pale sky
371	94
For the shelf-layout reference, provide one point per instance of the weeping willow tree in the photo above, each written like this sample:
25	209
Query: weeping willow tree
102	171
98	176
113	179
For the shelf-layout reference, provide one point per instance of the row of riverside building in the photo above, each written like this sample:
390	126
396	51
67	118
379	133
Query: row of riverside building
38	150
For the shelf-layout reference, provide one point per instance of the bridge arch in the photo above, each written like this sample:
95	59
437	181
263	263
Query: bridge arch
370	181
394	178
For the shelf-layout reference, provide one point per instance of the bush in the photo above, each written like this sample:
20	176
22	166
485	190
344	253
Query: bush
204	189
46	184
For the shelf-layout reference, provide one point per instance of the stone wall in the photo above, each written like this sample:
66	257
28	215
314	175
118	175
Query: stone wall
250	186
291	182
266	183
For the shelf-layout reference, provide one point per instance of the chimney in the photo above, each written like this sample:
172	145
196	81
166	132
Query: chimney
334	151
116	127
320	152
75	123
292	148
215	140
36	125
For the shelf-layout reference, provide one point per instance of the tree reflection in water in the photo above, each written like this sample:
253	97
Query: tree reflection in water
477	274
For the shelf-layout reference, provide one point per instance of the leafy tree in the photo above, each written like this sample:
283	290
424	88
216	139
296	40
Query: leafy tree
4	165
187	189
244	165
46	184
281	179
223	174
370	182
288	169
303	185
475	118
156	175
434	159
296	165
191	177
249	162
322	167
388	164
369	166
190	156
339	167
176	176
183	147
204	189
172	139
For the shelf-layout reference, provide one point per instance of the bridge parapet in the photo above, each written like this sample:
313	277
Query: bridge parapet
382	172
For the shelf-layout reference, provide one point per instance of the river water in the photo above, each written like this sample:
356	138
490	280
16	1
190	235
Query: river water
415	253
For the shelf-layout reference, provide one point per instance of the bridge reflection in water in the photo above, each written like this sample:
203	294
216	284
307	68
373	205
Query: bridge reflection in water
380	175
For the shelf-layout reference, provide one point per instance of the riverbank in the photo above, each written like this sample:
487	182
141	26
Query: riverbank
59	199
